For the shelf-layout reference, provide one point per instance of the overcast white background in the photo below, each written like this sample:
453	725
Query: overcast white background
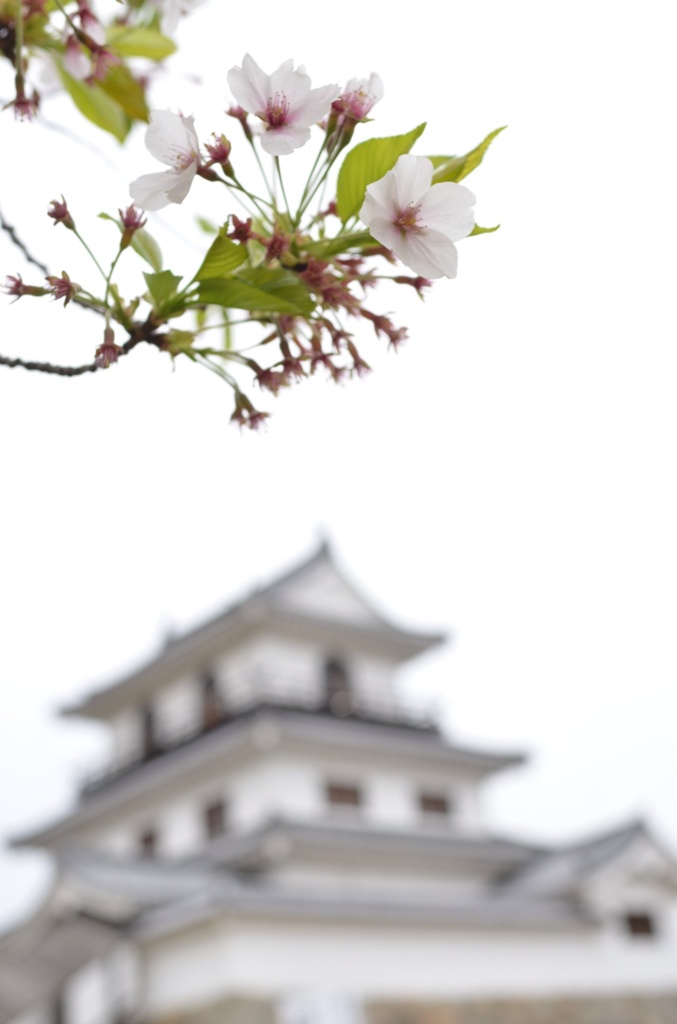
508	475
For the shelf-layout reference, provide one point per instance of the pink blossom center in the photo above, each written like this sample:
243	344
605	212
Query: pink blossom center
358	103
408	219
277	110
182	158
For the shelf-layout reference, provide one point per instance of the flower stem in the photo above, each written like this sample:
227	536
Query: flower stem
308	184
18	49
279	178
92	256
69	20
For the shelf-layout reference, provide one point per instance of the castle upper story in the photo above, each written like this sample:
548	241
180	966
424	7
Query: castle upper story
308	641
282	708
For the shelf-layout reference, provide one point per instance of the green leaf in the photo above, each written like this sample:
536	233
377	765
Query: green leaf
223	257
96	106
260	290
139	42
124	89
477	230
327	247
454	168
207	226
162	286
148	249
367	163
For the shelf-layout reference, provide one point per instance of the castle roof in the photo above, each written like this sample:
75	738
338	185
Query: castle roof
266	727
313	600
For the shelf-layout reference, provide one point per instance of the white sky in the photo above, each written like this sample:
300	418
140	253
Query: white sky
509	475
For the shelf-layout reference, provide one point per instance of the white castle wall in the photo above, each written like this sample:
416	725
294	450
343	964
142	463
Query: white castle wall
273	958
293	786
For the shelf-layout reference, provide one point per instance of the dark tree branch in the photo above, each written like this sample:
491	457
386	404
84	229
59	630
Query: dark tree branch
140	332
61	371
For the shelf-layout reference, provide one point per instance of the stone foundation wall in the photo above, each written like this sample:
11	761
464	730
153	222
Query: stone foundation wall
611	1010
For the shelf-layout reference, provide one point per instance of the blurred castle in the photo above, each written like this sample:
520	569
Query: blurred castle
277	837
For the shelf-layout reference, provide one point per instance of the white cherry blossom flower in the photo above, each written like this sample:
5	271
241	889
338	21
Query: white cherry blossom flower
419	221
172	139
359	96
284	101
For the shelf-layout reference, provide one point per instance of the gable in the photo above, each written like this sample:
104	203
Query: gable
642	875
320	591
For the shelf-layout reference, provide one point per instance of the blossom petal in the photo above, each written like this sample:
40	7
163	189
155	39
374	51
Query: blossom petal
171	137
383	230
284	140
316	104
180	187
428	253
294	84
150	190
449	206
412	176
380	199
155	191
250	85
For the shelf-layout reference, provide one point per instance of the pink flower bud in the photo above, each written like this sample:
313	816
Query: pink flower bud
242	229
219	151
15	286
63	288
107	353
25	107
60	214
131	220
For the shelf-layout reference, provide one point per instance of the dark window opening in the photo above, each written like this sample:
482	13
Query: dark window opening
640	924
437	804
215	818
212	705
337	687
342	795
148	843
150	743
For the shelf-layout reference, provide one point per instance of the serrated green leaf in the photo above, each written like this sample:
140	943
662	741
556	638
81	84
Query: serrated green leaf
148	249
367	163
260	290
139	42
96	106
223	257
477	230
454	168
162	286
124	89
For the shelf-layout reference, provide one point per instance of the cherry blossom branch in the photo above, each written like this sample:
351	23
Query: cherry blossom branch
139	333
60	371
